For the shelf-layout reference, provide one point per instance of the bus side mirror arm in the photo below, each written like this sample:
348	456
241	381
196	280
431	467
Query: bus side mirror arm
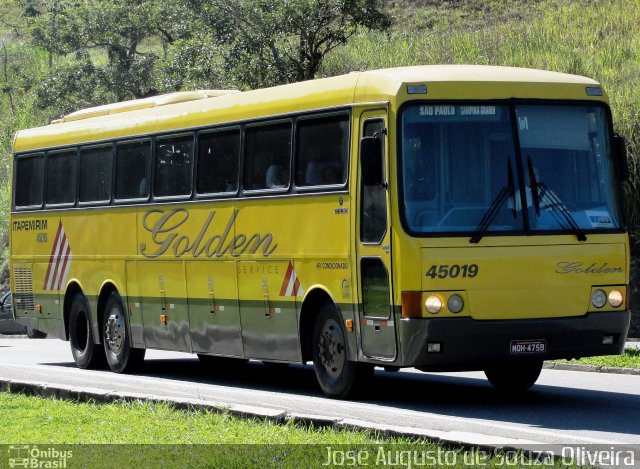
371	158
620	154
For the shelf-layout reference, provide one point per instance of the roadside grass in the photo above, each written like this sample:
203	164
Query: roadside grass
138	434
629	359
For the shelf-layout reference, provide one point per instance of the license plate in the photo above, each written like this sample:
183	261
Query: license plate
528	346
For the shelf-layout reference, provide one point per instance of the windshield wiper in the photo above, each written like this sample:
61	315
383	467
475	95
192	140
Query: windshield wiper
533	185
556	204
497	203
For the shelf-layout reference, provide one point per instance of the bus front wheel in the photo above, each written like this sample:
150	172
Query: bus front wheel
86	353
515	376
121	357
336	374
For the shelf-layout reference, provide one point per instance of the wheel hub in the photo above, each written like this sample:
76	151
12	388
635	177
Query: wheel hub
331	349
114	331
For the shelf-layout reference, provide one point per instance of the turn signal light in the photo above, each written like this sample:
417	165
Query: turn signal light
411	304
163	318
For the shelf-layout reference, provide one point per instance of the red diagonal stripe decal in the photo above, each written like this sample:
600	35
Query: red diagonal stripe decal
65	262
51	268
287	279
59	261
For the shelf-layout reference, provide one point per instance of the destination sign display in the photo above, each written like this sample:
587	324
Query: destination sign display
453	113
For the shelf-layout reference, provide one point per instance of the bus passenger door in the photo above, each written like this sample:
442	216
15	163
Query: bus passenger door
377	325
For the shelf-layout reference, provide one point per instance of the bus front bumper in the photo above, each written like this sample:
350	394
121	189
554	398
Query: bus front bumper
468	344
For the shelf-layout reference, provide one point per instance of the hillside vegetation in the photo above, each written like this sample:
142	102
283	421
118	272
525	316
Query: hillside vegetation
596	38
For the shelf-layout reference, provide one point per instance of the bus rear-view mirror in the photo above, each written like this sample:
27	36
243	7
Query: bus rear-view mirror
371	161
620	154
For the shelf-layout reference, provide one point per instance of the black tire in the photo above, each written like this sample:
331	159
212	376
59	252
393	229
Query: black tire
86	353
121	356
514	377
35	333
336	374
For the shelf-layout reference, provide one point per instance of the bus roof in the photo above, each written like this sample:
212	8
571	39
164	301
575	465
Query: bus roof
199	108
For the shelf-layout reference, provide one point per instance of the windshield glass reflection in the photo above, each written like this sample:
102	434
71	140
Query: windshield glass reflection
456	160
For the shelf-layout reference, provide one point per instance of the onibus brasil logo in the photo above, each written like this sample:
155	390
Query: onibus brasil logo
38	457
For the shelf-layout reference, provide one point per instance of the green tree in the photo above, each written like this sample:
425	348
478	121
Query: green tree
192	63
102	50
270	42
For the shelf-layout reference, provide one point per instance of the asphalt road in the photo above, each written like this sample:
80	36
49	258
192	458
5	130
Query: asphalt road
564	407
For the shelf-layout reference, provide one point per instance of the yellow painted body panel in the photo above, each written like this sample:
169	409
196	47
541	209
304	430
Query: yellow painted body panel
519	282
518	277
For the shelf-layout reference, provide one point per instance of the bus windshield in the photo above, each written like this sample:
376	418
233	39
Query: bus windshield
462	170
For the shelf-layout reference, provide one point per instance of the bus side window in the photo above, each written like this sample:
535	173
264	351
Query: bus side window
322	150
267	156
218	162
133	166
29	182
174	163
61	177
95	174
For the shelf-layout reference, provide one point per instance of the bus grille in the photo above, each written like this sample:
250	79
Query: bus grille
23	288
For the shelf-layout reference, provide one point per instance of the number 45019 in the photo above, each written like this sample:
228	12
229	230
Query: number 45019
453	271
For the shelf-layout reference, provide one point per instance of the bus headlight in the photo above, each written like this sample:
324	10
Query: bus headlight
598	298
615	298
455	303
433	303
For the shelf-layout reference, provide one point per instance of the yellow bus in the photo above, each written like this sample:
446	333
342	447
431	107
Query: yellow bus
437	217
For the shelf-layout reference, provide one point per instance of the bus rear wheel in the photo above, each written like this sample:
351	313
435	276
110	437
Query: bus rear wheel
121	357
86	353
336	374
514	377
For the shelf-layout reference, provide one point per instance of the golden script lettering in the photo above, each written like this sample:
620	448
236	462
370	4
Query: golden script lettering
166	237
